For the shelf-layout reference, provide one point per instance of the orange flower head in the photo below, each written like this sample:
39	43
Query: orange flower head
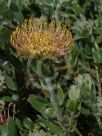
38	38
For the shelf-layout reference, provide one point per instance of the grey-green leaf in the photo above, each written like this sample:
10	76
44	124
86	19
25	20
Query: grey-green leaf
74	93
10	83
37	104
60	94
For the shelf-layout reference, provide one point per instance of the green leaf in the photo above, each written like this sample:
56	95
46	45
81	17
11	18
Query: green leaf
37	104
7	99
18	123
73	7
71	105
98	56
2	102
15	97
11	127
4	130
84	111
19	16
14	7
50	112
74	93
60	94
53	128
27	122
10	83
20	5
21	133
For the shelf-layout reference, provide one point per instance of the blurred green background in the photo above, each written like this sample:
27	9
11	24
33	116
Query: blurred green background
25	106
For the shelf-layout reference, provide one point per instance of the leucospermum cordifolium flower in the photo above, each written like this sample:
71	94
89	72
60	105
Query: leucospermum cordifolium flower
38	38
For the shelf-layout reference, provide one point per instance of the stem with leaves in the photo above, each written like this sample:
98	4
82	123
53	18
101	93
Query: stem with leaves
53	99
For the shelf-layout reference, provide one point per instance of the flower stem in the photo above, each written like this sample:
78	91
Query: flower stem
53	99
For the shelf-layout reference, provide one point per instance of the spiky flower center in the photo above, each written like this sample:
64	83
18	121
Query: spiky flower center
38	38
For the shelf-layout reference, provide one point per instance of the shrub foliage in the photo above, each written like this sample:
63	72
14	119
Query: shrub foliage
56	96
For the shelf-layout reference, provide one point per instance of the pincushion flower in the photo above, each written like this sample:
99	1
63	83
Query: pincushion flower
38	38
